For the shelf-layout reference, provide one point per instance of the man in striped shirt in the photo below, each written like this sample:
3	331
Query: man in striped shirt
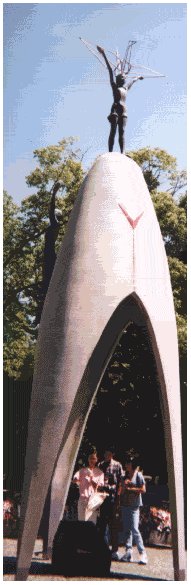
108	524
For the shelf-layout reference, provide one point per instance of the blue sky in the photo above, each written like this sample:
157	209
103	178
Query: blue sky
54	87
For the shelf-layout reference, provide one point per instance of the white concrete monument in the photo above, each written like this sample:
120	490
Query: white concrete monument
111	269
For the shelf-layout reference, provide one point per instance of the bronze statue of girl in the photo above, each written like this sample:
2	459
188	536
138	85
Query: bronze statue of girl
118	114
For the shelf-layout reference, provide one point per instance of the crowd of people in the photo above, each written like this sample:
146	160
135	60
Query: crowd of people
111	496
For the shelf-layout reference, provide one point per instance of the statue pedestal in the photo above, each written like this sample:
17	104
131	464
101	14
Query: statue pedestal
111	269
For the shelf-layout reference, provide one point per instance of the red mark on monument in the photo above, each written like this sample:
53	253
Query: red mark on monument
133	222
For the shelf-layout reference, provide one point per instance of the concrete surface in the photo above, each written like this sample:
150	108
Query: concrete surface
111	269
159	568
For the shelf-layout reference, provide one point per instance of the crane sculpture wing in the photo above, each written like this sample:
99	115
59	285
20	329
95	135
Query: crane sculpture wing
123	65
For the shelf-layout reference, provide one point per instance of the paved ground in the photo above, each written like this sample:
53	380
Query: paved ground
159	568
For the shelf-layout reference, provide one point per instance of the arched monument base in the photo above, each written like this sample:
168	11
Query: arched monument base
111	269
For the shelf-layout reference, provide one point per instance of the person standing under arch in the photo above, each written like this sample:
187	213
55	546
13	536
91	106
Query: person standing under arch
89	479
131	488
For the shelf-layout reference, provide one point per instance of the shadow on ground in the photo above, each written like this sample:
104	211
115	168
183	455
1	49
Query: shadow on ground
44	568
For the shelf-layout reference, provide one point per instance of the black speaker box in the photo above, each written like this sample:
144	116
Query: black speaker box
80	551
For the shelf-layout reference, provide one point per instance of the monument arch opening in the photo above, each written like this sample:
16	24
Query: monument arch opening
126	409
129	315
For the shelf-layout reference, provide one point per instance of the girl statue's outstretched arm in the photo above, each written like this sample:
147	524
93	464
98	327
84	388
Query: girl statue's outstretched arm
108	65
132	82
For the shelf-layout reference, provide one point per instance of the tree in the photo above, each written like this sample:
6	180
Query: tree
58	169
159	168
18	345
172	220
57	178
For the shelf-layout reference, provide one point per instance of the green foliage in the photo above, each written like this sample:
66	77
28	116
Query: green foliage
159	168
17	341
178	273
172	221
24	248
